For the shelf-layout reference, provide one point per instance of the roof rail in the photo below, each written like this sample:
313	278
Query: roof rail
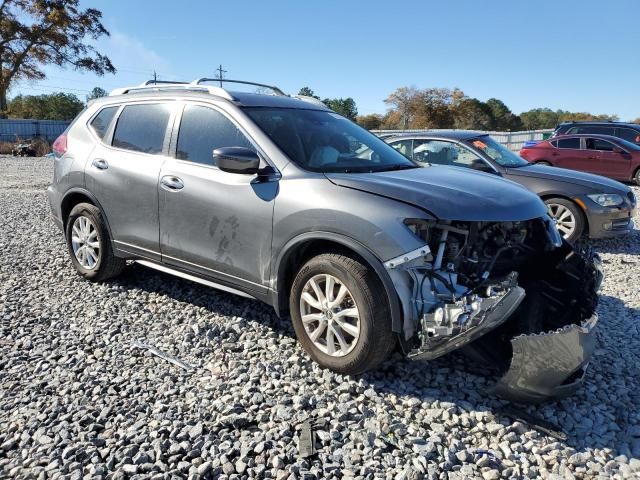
274	89
164	85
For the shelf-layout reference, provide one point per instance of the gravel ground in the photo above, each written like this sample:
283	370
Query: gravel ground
78	399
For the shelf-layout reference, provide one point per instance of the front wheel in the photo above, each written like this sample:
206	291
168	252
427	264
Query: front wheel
341	314
546	164
636	177
567	217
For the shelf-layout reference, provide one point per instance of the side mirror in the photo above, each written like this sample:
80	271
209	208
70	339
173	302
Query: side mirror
237	160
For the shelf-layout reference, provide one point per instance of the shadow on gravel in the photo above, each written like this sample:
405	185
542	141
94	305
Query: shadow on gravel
216	301
628	244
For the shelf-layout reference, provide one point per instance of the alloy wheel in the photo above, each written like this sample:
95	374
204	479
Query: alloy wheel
564	219
85	242
330	315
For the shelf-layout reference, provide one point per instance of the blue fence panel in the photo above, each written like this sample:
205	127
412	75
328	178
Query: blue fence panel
12	130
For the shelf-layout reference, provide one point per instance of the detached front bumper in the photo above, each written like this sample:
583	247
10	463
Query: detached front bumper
550	364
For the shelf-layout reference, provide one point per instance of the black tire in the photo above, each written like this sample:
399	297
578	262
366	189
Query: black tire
376	340
545	163
636	177
580	220
108	265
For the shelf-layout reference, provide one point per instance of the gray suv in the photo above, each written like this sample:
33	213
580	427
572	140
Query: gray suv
280	199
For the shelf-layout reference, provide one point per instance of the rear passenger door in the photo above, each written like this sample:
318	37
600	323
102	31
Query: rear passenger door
213	223
123	174
568	154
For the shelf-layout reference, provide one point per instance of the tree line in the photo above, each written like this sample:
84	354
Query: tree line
412	108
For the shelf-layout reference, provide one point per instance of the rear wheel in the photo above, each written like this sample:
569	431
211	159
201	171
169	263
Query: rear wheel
545	163
636	177
89	244
567	217
341	314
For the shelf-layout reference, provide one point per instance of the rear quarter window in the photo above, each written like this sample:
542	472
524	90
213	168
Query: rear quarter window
100	123
142	128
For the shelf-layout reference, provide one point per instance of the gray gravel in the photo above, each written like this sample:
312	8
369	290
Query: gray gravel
78	399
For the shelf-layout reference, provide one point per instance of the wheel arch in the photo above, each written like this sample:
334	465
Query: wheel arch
305	246
75	196
585	217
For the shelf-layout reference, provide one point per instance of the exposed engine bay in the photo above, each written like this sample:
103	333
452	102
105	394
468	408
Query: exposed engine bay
496	289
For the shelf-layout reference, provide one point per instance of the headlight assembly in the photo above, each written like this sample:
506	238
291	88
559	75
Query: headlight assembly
607	199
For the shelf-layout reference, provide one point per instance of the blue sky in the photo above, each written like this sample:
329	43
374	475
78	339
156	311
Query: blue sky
574	55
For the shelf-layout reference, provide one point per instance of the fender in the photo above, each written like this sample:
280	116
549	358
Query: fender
95	201
277	273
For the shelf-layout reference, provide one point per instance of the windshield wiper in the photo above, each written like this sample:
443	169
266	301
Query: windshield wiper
401	166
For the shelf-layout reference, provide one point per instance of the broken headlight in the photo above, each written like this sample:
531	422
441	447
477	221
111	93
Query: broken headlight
607	199
419	227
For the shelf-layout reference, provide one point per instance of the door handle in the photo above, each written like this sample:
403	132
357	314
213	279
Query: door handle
100	164
171	183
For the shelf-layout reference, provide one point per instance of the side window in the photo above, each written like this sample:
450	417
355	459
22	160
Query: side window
593	130
570	143
141	128
202	130
629	134
447	153
404	147
101	121
598	144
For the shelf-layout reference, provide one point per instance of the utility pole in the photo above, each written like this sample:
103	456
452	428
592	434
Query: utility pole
155	78
220	74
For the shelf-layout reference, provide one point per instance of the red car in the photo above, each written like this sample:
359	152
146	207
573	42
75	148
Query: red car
604	155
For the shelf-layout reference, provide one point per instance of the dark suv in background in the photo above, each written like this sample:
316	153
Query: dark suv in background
627	131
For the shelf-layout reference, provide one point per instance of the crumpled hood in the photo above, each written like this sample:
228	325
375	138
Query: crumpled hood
589	180
450	193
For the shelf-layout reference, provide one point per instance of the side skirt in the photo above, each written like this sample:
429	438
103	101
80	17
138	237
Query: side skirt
193	278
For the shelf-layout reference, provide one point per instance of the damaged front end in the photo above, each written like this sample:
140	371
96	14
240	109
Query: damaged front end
513	295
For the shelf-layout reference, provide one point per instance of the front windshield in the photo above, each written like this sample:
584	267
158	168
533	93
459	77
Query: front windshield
499	153
323	141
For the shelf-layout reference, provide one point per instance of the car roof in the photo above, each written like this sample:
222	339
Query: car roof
603	123
449	134
586	135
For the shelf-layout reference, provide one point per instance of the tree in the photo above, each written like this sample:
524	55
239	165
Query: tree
637	120
55	106
34	33
502	118
403	101
472	114
372	121
307	92
539	118
97	92
343	106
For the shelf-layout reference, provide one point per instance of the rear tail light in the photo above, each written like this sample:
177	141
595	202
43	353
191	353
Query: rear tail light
59	147
637	138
